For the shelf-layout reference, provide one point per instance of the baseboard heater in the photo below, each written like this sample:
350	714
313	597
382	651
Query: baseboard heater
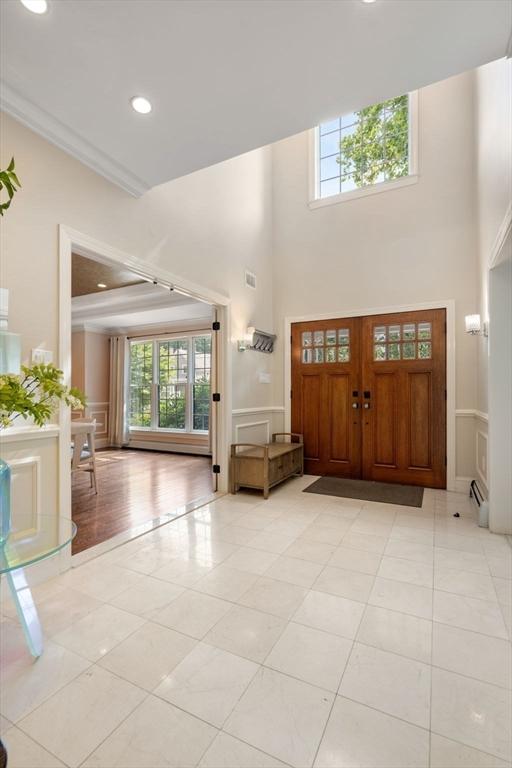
483	508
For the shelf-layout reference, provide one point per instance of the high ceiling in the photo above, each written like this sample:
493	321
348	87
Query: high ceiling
224	76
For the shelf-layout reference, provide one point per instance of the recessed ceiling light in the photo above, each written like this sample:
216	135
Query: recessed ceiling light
101	285
35	6
368	1
142	105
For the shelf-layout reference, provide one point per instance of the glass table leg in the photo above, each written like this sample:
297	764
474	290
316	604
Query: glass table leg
26	610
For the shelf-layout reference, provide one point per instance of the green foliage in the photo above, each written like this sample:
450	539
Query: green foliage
35	393
8	181
379	144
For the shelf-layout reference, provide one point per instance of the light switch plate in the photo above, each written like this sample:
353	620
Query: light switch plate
264	377
39	356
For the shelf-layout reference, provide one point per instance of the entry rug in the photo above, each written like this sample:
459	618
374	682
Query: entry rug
367	490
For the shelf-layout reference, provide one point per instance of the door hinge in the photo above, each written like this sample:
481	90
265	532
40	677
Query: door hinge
216	397
446	461
445	327
445	395
291	393
216	326
216	469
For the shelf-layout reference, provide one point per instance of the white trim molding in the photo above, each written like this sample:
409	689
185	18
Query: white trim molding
481	470
498	252
472	413
28	432
262	409
449	306
69	141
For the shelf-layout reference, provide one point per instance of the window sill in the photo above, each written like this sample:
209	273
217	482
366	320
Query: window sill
374	189
169	431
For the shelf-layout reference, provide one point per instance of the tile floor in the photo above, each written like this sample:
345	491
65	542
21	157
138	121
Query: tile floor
300	631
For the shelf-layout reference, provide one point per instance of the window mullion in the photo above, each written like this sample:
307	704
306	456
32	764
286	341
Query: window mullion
189	389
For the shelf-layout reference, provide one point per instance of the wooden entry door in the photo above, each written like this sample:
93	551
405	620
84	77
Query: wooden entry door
404	398
369	396
326	371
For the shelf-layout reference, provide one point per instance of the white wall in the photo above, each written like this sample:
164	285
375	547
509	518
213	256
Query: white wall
207	227
493	120
405	246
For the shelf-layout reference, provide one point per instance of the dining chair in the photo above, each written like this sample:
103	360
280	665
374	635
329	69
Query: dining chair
83	450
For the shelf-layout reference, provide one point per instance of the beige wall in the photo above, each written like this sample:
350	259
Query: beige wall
90	362
410	245
207	227
493	122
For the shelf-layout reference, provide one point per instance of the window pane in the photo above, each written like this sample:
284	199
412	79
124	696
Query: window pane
348	183
343	336
408	331
307	355
319	338
379	352
349	119
379	333
348	130
329	167
425	350
171	406
173	361
409	351
394	332
201	389
141	380
307	339
343	354
331	187
394	351
424	330
332	125
330	355
329	144
319	355
330	337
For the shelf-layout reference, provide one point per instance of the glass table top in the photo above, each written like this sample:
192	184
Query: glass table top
32	539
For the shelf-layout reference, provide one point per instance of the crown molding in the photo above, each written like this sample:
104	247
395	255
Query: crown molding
35	118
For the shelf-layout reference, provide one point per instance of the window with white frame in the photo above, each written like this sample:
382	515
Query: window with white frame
169	383
363	149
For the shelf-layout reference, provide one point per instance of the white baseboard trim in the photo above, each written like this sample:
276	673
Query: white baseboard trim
202	450
462	484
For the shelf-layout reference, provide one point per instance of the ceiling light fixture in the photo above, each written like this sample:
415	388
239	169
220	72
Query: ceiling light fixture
368	1
35	6
141	105
101	285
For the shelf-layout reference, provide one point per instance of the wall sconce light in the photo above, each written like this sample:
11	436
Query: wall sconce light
474	325
260	341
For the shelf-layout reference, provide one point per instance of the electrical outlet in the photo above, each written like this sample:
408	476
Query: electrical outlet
39	356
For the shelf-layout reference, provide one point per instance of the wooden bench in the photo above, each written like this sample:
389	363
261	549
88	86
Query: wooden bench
264	465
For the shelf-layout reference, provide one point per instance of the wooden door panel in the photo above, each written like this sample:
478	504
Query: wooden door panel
384	432
339	403
419	436
404	372
311	400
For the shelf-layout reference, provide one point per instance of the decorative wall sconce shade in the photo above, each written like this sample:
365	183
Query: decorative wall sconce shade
474	325
260	341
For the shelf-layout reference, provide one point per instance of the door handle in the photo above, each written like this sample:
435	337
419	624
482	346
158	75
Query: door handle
355	405
366	405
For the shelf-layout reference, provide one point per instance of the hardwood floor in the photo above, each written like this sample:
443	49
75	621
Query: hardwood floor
134	487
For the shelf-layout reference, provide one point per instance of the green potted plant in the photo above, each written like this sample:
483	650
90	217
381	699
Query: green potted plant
35	393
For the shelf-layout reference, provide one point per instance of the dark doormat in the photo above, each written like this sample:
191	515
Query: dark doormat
387	493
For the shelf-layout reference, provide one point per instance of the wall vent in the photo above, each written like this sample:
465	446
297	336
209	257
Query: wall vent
250	279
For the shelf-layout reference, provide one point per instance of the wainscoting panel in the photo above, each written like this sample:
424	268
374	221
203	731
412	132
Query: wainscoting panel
256	425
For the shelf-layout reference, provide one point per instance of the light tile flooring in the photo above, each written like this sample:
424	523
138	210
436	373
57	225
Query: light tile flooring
300	631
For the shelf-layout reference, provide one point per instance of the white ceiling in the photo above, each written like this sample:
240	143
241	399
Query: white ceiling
144	306
224	76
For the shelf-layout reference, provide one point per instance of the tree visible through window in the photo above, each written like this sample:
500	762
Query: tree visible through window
364	147
170	383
